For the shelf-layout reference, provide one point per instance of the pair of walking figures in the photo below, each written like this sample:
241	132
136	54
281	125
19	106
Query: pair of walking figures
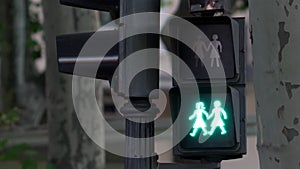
217	113
214	47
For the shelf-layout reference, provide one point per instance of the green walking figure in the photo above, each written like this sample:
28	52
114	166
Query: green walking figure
199	123
217	113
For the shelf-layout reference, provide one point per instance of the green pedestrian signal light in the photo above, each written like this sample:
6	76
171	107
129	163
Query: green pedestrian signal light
200	123
211	125
217	117
212	121
218	114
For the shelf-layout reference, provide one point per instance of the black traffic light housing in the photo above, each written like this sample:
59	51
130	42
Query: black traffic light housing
227	30
216	147
112	6
70	46
209	7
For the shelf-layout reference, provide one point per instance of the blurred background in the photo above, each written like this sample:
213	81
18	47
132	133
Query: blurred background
38	125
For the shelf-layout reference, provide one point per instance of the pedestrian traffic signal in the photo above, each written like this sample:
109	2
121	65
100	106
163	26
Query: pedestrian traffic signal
218	115
210	61
212	124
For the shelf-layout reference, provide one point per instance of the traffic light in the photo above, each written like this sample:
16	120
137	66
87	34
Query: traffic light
212	123
70	46
211	119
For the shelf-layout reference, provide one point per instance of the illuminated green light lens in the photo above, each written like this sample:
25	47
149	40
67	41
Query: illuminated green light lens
199	121
218	115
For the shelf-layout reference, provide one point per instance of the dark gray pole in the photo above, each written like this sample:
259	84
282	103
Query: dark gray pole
148	80
140	154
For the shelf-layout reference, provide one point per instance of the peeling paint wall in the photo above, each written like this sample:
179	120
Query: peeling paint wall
275	27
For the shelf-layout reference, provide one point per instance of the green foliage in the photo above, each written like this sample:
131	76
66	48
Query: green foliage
35	49
22	153
9	118
3	144
13	152
50	166
29	164
35	26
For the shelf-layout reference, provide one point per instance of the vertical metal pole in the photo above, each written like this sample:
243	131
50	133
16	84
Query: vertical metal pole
142	85
140	154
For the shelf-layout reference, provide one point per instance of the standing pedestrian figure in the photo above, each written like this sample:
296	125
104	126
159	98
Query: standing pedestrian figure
201	50
215	57
199	123
217	113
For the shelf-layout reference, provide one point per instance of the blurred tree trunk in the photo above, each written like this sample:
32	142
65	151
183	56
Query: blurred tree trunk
29	96
276	37
69	146
8	92
18	88
20	37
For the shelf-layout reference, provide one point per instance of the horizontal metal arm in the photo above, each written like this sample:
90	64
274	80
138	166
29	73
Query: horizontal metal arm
106	68
105	60
112	6
101	5
69	48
